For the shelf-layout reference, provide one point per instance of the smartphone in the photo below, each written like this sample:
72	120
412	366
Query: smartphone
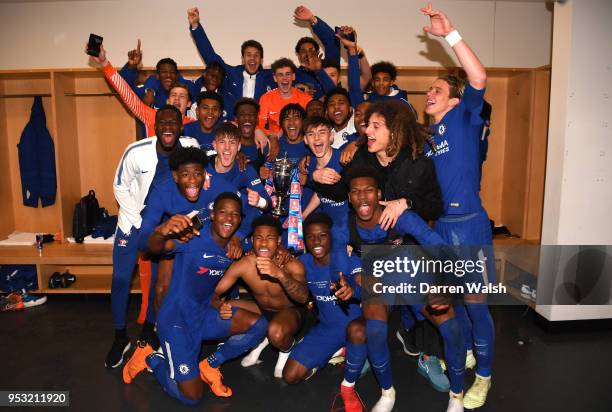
195	219
349	37
93	45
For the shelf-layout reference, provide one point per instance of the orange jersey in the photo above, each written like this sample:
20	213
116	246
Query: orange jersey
143	112
271	104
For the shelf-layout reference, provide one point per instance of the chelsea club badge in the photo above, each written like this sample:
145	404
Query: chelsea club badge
441	129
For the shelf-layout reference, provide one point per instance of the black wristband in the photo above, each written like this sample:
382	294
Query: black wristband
361	55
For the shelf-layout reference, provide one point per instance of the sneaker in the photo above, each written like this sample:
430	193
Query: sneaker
533	296
137	362
408	341
338	357
253	357
114	357
455	403
30	301
386	401
526	291
11	302
470	361
476	396
350	398
213	377
432	371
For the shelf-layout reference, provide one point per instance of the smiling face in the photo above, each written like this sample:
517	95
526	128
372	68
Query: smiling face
265	241
378	134
292	127
364	196
439	101
168	128
209	111
284	77
225	218
319	139
251	58
179	98
306	51
246	117
360	111
338	111
189	179
226	146
166	75
381	83
317	237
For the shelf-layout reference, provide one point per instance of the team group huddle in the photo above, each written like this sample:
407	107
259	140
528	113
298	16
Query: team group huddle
196	197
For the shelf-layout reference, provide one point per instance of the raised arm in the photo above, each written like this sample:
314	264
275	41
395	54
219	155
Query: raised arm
129	72
322	30
205	48
143	112
442	27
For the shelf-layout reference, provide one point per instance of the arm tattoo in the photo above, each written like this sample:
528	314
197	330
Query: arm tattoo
296	290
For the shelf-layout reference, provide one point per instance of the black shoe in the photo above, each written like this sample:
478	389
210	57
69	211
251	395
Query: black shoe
408	341
150	338
114	357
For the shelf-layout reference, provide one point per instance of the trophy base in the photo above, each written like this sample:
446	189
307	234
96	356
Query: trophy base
279	212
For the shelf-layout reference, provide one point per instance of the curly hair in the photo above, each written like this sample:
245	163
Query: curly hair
404	130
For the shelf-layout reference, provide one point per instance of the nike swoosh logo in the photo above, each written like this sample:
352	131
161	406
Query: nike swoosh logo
205	256
144	171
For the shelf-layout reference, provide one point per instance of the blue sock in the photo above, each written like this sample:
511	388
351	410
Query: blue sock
454	353
466	325
158	364
378	352
407	317
356	355
239	344
484	337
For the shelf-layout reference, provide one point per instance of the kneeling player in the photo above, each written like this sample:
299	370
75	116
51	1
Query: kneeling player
279	290
336	295
186	317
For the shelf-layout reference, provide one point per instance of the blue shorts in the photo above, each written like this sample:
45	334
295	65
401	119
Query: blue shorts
318	346
182	343
473	231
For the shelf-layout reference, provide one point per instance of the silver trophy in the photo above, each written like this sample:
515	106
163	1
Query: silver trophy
282	184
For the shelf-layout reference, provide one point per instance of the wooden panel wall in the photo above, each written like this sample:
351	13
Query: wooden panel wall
7	222
516	151
537	161
100	145
68	153
17	115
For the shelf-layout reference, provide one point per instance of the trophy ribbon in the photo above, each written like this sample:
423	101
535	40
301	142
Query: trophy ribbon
295	236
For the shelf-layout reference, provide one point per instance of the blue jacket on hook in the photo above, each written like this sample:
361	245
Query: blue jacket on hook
37	160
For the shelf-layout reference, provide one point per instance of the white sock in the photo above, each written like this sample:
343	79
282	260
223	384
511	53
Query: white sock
253	357
347	383
483	377
389	393
280	364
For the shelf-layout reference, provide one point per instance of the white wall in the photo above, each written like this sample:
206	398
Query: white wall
47	34
578	189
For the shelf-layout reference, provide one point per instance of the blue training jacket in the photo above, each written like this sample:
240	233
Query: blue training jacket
37	159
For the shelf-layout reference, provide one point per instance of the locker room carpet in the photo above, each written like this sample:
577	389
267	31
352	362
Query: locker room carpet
61	345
